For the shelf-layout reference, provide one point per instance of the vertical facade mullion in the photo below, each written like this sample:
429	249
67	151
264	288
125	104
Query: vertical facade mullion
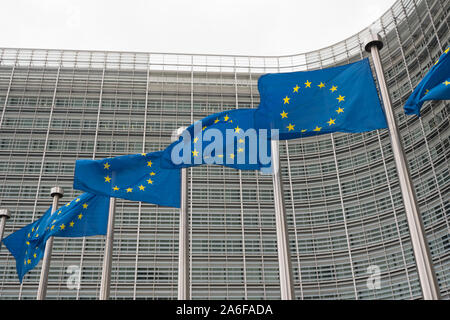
7	94
260	218
46	141
433	25
244	259
349	250
144	134
190	174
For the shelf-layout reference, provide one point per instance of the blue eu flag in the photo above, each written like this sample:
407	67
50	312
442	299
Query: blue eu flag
228	138
434	86
338	99
86	215
137	177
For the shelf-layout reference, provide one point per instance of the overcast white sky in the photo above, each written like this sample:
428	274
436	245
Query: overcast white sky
253	27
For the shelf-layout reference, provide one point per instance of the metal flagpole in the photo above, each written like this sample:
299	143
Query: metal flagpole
183	242
107	259
427	276
56	193
284	253
4	215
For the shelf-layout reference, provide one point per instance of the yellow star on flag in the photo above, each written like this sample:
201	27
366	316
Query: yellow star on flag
150	181
340	98
107	179
217	120
237	129
80	216
308	84
232	155
286	100
71	224
240	150
62	226
290	127
152	174
195	153
141	187
196	139
332	121
446	82
226	118
317	129
129	190
296	88
149	164
321	85
116	188
340	110
85	206
284	115
333	88
106	166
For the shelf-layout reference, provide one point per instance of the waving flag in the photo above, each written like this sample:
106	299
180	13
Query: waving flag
338	99
86	215
137	177
228	138
434	86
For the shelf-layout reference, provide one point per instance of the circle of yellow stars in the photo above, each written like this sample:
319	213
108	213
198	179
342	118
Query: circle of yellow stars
322	86
149	181
241	141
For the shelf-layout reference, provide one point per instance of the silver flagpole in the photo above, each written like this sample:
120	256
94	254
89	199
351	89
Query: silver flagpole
284	252
56	193
427	276
183	242
4	215
107	259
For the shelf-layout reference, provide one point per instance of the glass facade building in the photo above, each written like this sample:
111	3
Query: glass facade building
344	208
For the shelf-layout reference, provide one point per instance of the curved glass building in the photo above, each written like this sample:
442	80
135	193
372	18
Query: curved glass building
345	214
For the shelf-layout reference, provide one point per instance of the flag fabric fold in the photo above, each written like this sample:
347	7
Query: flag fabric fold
86	215
228	138
308	103
137	177
434	86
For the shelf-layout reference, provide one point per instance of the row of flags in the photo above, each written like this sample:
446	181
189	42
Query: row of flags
293	105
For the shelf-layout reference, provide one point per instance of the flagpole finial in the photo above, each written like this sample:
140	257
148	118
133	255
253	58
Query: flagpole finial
373	39
57	191
5	213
